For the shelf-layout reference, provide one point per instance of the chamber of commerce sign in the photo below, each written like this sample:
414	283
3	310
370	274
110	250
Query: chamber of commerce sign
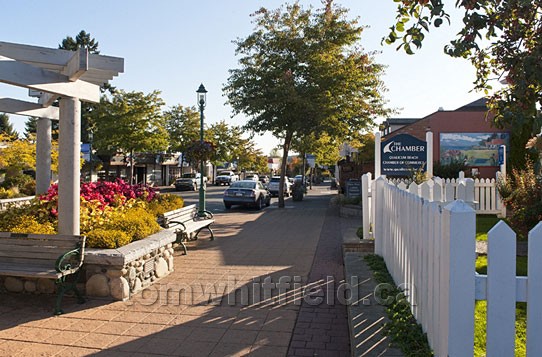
403	154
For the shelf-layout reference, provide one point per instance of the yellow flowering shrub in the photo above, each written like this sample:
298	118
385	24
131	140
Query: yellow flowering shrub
29	224
107	238
164	203
137	222
93	216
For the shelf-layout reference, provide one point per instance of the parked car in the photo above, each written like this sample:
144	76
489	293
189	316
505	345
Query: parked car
273	186
252	177
189	181
264	179
247	193
226	178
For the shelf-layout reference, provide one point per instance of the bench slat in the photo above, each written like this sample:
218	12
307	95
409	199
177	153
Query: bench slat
22	245
34	249
49	237
195	225
35	271
28	260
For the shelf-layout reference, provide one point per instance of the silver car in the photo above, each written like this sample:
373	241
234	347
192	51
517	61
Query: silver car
247	193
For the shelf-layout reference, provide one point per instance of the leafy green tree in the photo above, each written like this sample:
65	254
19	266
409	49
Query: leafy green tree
324	147
250	158
21	154
502	40
230	146
183	127
6	127
224	139
303	72
130	122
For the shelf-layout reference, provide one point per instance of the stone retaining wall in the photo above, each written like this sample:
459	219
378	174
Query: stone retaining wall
119	273
112	273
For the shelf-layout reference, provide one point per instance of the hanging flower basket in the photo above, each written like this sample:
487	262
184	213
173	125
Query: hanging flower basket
200	151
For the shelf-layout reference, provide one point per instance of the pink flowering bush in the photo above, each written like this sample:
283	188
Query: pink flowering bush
109	206
104	193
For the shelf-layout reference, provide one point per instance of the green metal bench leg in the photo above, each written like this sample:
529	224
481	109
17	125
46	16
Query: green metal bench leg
210	231
63	287
59	295
184	247
181	237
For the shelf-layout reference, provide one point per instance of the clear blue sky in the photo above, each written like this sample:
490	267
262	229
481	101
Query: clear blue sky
174	45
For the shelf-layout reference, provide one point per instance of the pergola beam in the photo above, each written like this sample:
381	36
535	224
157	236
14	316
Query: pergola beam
77	65
19	107
25	75
100	68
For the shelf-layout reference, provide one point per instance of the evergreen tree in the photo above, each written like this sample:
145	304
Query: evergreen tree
31	127
82	40
6	127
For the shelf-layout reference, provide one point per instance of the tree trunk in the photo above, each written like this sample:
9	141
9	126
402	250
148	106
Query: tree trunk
283	164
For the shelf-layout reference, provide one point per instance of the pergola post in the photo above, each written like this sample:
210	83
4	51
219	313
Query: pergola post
51	73
43	155
69	166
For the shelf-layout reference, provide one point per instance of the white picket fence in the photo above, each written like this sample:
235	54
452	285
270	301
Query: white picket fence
429	248
481	194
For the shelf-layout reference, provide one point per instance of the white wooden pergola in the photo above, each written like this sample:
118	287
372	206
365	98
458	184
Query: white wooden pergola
49	74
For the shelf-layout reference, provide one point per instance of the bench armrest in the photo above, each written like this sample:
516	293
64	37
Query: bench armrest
180	223
69	262
205	215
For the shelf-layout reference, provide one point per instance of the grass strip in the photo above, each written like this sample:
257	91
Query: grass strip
403	329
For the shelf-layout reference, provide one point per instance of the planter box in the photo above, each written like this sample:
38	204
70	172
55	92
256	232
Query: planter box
352	243
119	273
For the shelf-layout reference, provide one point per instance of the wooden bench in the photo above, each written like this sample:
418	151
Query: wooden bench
37	256
188	221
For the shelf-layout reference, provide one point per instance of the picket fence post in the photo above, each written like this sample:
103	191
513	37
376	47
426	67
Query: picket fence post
366	210
534	292
457	280
501	290
378	203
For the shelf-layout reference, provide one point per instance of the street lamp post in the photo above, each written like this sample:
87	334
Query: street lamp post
202	96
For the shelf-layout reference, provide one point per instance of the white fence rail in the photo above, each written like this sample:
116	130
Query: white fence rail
481	194
429	249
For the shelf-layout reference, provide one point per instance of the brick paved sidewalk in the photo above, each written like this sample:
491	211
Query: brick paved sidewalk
241	294
237	295
322	323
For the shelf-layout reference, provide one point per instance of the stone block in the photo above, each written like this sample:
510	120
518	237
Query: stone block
14	285
161	268
120	290
30	286
46	286
98	285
